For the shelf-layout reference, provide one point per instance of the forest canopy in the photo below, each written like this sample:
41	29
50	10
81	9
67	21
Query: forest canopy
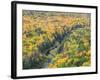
55	39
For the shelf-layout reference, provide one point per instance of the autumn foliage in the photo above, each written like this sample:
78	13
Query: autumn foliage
56	39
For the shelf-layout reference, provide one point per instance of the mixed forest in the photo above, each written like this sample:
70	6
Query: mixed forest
55	39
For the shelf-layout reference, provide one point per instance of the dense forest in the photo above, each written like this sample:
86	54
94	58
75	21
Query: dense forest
55	39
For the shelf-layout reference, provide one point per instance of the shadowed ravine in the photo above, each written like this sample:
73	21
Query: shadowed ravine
60	44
